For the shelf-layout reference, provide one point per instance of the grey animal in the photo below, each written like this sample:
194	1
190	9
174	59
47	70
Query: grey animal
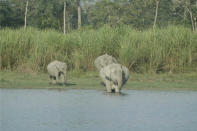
103	61
114	76
57	69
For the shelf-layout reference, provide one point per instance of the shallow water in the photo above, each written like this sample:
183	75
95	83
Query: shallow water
91	110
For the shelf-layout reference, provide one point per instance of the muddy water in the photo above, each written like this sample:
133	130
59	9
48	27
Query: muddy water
91	110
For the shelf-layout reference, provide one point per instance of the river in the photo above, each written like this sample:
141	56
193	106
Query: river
92	110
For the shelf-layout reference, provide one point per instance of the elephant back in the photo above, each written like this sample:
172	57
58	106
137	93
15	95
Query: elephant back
103	61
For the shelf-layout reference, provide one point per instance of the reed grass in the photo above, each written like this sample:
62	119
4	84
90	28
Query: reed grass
171	49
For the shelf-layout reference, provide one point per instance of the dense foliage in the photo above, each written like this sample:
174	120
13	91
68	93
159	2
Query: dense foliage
96	13
171	49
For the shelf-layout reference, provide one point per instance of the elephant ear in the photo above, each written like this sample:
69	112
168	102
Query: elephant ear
125	74
124	80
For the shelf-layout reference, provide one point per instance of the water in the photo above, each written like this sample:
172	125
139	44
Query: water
91	110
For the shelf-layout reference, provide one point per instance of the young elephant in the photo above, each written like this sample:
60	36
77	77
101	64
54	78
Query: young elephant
104	60
114	77
57	69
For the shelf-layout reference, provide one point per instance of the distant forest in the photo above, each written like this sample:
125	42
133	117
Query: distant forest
66	15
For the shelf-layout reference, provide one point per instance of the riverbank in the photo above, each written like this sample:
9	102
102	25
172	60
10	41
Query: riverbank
90	80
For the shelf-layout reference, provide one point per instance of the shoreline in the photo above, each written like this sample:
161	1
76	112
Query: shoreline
91	81
99	89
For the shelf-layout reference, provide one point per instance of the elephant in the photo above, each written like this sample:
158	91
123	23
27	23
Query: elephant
55	70
114	76
103	61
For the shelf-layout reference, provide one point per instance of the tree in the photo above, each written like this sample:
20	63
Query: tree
138	13
5	13
11	14
108	12
190	11
156	12
64	17
79	14
25	23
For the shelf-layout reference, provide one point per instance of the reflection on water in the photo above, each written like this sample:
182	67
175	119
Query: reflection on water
90	110
115	94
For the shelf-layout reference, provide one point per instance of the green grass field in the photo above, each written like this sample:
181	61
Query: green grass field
163	50
91	80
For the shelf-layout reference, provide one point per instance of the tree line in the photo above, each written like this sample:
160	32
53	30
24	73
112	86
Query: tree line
66	15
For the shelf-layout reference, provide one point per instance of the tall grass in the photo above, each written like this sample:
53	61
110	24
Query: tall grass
171	49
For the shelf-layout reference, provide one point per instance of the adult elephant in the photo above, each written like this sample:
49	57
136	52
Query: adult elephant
114	76
56	70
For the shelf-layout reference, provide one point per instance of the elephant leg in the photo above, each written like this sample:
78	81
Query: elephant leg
109	90
106	82
56	78
108	86
63	79
113	88
117	89
50	79
53	79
